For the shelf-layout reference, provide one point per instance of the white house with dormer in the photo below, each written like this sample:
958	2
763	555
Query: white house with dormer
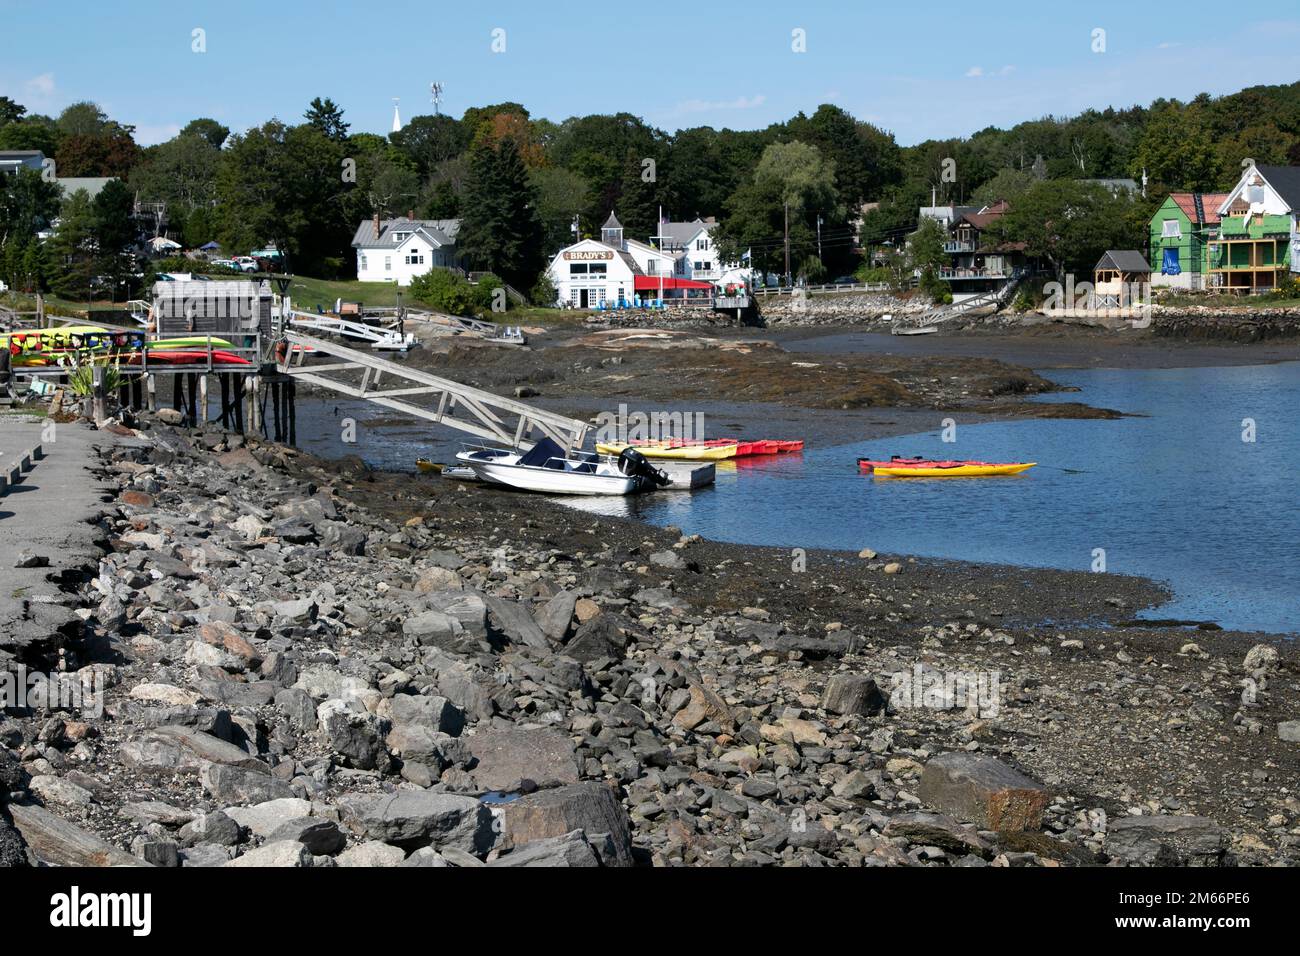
398	250
695	253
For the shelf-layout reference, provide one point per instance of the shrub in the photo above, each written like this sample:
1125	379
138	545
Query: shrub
445	291
485	293
543	292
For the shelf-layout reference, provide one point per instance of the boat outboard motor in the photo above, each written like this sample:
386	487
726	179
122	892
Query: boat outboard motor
635	465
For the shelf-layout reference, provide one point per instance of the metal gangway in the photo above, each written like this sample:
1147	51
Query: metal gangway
380	338
928	320
362	375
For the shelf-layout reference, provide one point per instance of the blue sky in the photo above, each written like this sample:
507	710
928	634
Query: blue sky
921	70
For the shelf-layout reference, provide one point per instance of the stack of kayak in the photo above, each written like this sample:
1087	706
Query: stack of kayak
897	467
49	347
713	449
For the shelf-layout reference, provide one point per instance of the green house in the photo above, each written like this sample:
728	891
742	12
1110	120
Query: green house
1256	245
1181	230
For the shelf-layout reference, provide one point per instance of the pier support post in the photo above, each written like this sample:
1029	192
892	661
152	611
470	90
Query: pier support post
203	400
151	391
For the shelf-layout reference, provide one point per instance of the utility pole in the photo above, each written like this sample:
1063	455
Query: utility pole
819	237
788	278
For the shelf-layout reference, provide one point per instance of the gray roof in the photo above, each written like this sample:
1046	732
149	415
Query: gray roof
1286	181
91	184
441	232
612	222
680	233
1124	260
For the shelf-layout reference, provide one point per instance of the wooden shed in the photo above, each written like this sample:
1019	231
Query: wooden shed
219	307
1119	278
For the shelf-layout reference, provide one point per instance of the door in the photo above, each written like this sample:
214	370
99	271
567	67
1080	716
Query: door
582	299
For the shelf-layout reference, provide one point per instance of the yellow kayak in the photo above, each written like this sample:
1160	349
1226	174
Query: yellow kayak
428	467
960	471
680	453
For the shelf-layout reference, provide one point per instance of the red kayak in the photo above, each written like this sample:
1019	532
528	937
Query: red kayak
869	464
190	357
744	449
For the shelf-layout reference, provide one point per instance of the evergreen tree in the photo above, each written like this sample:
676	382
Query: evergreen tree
71	264
327	116
638	207
501	230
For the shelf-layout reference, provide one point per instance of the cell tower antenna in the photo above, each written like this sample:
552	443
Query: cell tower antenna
435	91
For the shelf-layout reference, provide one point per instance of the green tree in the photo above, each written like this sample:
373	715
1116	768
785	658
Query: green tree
561	195
1069	224
1177	151
638	203
114	227
32	132
790	178
10	111
327	116
28	203
501	231
926	257
428	141
72	249
210	130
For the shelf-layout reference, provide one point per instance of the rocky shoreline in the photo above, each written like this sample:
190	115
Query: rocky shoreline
310	664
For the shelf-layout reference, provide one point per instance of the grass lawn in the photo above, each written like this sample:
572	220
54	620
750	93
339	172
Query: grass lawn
307	292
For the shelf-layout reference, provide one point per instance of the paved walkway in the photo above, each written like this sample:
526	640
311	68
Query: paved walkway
49	513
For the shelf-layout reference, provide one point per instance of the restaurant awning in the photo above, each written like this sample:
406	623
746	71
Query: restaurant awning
652	283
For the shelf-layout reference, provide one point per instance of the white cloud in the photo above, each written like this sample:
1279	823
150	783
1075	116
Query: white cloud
1167	45
42	86
977	71
710	106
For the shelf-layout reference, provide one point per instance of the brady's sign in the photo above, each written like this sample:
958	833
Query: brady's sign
590	256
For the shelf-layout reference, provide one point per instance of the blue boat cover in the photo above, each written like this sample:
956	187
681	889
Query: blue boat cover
1169	265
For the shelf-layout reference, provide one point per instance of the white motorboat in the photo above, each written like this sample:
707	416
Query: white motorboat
546	467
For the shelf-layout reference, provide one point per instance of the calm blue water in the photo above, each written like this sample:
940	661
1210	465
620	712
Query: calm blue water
1176	496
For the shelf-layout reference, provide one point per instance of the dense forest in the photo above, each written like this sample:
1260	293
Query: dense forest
519	181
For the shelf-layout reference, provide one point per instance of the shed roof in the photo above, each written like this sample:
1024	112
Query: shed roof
1124	260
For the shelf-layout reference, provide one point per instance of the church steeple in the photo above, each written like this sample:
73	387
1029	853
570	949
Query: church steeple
611	234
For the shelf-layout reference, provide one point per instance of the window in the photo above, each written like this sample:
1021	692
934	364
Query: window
363	263
388	263
415	258
701	245
577	268
1172	229
399	237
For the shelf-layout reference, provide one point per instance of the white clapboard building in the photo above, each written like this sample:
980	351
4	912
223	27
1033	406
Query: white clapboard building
398	250
616	272
696	255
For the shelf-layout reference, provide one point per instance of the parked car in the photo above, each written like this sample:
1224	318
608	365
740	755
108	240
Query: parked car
247	263
845	280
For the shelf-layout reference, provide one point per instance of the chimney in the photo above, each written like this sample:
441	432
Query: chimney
410	214
376	225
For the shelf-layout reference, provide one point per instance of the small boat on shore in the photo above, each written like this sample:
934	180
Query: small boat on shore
932	468
546	467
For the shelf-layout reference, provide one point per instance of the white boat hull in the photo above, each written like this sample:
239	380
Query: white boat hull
553	481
